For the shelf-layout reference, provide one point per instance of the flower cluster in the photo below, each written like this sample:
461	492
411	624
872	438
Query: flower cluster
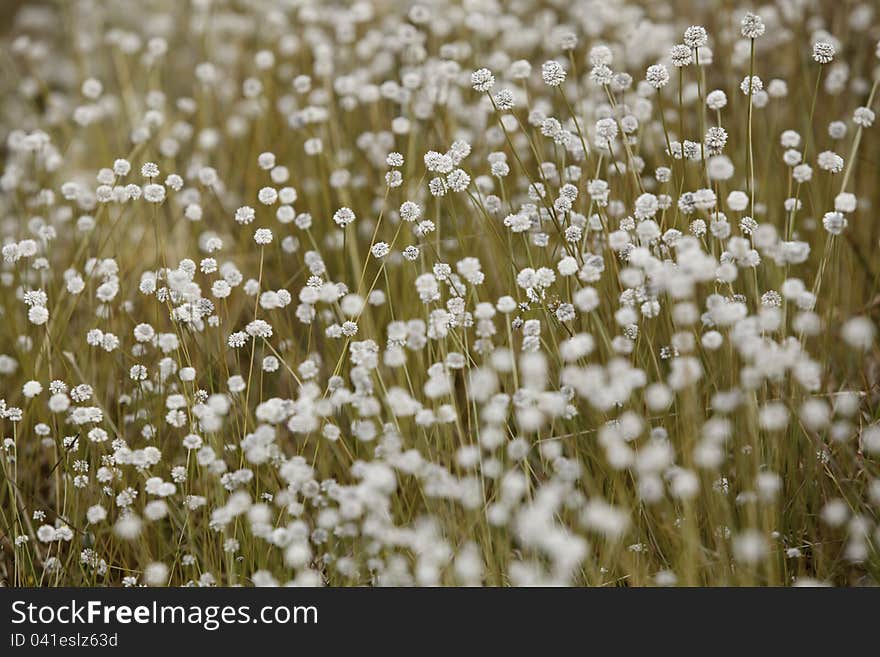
439	293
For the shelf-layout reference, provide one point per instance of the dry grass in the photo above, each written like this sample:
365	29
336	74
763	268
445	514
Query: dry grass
693	431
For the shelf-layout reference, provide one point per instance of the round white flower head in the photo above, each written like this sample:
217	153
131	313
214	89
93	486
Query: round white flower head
695	36
38	315
837	129
521	69
834	222
830	161
245	214
680	55
506	305
267	195
716	139
154	193
864	117
31	389
601	75
716	99
410	211
823	52
174	181
657	76
552	73
568	41
859	332
343	217
750	86
600	55
150	170
482	80
121	167
504	100
606	129
92	88
263	236
845	202
777	88
266	160
156	574
752	26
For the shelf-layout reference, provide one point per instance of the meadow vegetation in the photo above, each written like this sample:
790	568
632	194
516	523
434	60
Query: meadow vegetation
442	293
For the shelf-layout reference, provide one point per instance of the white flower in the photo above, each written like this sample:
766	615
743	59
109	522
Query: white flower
680	55
830	161
864	117
752	26
31	389
267	195
482	80
695	36
156	574
750	86
38	315
657	76
46	534
823	52
245	214
552	73
149	170
154	193
343	217
834	222
606	129
96	514
266	160
859	332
